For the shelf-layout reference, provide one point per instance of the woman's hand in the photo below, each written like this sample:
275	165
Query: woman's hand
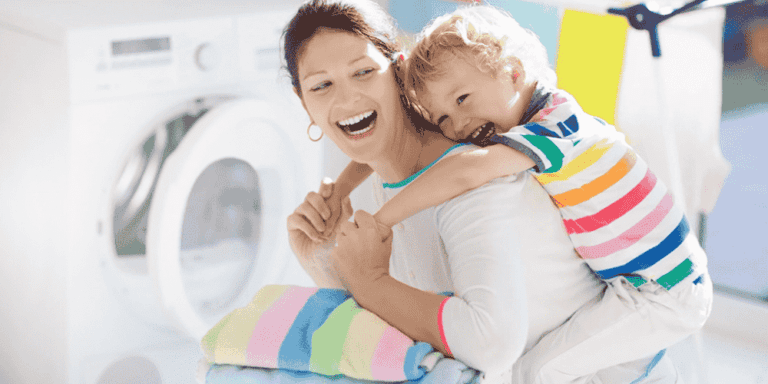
305	227
362	263
362	253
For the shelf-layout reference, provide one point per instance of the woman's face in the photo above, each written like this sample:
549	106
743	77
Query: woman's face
348	89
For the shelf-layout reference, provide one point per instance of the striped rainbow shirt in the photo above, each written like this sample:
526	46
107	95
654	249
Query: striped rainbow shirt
621	219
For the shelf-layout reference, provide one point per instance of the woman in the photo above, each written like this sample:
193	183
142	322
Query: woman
515	278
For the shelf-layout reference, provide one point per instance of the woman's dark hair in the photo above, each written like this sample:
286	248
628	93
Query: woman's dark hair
364	18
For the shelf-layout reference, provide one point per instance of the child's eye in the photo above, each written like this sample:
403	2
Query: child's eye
321	86
461	99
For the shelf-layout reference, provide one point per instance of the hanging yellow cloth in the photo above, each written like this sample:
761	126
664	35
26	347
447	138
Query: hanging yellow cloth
589	60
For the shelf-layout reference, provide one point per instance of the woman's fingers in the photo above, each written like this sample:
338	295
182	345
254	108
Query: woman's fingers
385	232
364	219
297	222
347	227
314	214
309	213
318	203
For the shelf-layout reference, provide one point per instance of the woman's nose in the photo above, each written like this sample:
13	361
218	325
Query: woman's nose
347	95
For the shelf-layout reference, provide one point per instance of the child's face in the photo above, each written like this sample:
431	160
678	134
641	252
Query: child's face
465	99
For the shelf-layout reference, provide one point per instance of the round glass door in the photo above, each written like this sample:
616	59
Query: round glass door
220	236
136	184
216	225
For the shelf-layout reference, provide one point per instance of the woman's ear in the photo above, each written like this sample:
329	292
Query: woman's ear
298	94
399	63
400	57
303	104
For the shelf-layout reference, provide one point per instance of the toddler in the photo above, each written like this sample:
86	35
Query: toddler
483	79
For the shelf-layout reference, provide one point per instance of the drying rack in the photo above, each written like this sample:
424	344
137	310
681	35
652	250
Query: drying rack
642	18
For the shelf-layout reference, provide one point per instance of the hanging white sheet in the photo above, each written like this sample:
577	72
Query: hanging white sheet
670	107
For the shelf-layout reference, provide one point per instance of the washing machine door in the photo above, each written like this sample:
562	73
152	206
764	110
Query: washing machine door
217	230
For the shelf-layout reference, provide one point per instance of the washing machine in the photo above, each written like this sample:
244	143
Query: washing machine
154	151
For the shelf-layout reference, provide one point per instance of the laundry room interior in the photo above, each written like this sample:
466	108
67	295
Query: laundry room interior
151	153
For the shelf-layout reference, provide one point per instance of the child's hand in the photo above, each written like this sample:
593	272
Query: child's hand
334	203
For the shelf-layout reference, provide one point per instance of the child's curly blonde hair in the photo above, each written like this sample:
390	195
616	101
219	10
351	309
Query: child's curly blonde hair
484	35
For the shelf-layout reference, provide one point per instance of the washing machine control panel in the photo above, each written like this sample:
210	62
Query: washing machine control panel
152	58
259	37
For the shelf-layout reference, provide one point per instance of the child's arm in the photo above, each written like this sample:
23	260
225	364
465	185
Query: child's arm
349	179
451	177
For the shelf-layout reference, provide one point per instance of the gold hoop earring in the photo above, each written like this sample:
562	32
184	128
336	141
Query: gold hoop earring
310	135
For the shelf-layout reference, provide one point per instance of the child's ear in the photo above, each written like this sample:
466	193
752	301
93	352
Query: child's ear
516	71
517	75
513	73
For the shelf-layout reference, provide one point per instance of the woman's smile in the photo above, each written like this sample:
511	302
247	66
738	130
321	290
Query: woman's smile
359	126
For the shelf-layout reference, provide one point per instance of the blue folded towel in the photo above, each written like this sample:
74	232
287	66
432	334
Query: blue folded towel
445	371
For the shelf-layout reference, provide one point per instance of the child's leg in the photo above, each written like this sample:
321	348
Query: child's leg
662	372
625	325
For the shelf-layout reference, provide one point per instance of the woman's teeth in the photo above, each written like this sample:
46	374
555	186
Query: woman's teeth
360	132
358	125
355	119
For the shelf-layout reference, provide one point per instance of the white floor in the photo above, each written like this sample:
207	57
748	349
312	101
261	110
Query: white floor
734	343
731	361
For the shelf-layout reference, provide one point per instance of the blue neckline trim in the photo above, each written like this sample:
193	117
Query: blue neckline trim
415	175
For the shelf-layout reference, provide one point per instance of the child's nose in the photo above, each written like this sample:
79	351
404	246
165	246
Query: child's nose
449	128
462	124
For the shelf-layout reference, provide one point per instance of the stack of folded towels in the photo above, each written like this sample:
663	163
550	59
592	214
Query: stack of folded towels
322	332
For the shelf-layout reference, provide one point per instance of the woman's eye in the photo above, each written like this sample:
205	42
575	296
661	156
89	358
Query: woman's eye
461	99
363	72
321	86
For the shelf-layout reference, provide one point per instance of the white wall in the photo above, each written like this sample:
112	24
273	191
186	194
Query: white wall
33	244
